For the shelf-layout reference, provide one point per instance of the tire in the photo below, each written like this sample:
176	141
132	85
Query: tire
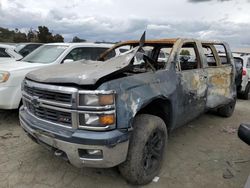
244	95
146	150
227	110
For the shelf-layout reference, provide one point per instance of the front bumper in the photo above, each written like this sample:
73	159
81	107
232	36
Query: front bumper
10	97
114	144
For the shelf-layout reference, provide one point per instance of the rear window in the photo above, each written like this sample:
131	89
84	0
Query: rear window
28	49
238	63
248	63
3	53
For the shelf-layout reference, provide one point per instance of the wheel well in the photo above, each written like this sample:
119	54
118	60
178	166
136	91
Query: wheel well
161	108
20	104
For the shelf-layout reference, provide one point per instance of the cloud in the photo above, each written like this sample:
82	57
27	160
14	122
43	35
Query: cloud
202	1
83	19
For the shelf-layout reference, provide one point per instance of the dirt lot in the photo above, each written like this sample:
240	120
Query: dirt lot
204	153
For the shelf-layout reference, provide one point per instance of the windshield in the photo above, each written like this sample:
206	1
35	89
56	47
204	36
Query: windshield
45	54
19	47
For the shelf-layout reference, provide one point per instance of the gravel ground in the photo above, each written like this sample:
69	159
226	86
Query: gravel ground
204	153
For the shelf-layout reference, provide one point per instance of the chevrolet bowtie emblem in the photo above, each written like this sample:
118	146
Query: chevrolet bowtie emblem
35	101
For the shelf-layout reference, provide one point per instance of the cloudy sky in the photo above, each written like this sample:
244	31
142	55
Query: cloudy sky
115	20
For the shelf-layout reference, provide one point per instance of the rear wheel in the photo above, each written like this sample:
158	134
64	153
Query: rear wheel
227	110
246	92
146	150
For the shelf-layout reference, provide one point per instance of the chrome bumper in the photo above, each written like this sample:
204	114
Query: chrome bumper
112	156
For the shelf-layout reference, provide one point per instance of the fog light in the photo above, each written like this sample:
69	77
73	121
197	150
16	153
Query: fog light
90	153
94	152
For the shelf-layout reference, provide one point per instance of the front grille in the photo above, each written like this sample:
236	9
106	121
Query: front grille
51	115
48	95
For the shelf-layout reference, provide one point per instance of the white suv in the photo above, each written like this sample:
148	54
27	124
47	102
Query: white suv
243	91
13	72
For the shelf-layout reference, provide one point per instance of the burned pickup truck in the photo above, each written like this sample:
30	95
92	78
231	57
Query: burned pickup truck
120	110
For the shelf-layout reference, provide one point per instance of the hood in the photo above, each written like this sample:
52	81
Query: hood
13	65
6	60
83	72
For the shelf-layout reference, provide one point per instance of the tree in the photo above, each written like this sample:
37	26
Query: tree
185	52
58	38
20	37
44	35
32	36
77	39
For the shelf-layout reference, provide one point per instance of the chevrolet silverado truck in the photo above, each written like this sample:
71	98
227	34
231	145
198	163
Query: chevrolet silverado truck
119	111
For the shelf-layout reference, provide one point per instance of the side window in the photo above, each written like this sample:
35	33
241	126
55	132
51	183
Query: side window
211	61
88	53
139	59
248	63
188	57
110	54
164	55
3	53
221	50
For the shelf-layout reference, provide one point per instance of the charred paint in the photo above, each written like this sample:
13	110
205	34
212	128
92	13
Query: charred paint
187	93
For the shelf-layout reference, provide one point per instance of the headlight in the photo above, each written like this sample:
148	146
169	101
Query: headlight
102	115
98	121
4	76
96	99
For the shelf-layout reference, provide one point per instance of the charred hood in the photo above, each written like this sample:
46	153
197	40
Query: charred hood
84	72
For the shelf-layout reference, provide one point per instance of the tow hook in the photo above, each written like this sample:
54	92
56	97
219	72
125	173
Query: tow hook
58	153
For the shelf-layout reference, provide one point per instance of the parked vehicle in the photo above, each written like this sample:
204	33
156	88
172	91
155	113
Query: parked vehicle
7	52
120	111
244	133
26	48
244	88
13	72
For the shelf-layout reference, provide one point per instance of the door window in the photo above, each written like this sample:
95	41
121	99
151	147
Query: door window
188	57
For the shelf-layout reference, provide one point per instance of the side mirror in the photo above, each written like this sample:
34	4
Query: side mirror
68	61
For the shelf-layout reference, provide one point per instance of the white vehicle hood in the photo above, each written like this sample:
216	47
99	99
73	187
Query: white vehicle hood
4	59
13	65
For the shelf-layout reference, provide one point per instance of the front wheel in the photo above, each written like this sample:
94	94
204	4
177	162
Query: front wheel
146	150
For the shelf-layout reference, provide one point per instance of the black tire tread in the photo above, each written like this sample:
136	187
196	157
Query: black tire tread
143	125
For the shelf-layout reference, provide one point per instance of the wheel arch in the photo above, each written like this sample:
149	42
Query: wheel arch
160	107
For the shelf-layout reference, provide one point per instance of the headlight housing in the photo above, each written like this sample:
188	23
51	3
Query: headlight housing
4	76
100	106
97	99
97	121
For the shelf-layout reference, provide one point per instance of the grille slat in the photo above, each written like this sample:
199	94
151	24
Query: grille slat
49	114
48	95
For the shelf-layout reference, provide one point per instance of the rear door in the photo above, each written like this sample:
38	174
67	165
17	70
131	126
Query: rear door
193	81
221	75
